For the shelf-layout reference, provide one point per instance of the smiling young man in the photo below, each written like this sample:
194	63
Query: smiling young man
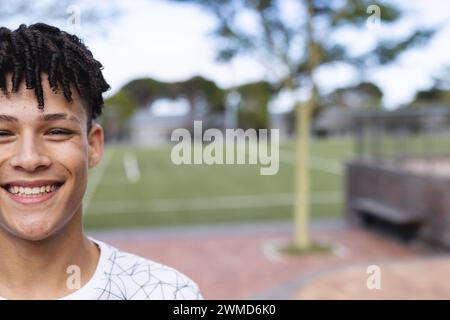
51	90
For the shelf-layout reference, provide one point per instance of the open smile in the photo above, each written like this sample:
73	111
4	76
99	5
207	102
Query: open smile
27	192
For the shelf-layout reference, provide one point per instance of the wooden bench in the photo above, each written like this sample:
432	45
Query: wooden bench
386	212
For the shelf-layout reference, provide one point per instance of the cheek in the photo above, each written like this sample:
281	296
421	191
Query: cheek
73	157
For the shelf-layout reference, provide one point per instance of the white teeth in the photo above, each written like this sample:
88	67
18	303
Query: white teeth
35	191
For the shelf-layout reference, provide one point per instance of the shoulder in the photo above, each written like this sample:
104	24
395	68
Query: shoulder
127	276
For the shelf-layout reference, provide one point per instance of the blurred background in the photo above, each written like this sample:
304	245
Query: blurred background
360	93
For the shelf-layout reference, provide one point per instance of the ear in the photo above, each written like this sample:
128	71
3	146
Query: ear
95	140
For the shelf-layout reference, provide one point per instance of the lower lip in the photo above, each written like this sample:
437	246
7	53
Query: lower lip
33	199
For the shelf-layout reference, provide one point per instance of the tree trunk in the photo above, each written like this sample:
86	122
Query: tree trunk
303	121
301	210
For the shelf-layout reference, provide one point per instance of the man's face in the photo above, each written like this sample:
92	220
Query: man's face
44	160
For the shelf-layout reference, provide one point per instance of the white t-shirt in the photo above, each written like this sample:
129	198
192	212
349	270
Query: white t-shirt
124	276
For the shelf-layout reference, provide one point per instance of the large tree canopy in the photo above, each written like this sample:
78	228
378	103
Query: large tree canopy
292	37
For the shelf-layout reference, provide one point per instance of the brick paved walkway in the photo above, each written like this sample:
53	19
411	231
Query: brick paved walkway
420	278
240	261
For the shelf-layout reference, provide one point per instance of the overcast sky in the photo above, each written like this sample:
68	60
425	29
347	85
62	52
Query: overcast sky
170	42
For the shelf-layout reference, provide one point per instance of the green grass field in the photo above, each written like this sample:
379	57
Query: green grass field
167	194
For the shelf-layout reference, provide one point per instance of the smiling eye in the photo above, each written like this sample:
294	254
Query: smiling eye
59	131
4	133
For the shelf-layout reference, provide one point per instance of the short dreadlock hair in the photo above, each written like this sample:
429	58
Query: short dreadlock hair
29	51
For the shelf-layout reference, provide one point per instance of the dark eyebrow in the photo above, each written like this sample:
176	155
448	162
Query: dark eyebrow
44	117
58	116
4	117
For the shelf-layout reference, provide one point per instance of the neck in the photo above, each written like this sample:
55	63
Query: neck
39	269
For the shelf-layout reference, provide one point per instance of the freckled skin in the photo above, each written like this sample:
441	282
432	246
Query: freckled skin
30	152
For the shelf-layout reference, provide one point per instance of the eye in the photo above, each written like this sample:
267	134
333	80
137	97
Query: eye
5	133
59	131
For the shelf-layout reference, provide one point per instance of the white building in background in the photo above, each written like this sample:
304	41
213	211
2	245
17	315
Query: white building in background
281	121
152	126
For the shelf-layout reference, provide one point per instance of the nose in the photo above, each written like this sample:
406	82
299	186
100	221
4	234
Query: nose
29	155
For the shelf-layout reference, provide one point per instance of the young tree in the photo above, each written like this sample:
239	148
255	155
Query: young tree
293	39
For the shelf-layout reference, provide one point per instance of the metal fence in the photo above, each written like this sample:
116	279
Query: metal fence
401	175
393	136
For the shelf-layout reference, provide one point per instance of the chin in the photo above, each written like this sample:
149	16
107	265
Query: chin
32	229
35	225
34	232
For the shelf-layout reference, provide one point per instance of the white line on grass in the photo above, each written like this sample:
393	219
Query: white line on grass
317	163
131	166
96	178
210	203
